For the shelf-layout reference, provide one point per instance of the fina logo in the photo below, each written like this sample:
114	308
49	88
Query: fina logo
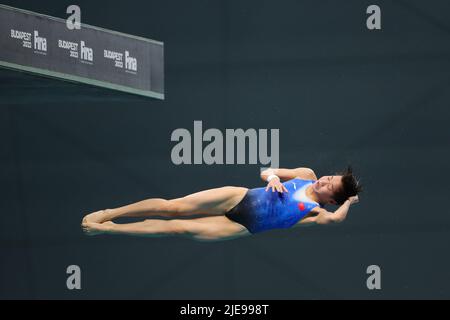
40	43
87	53
130	62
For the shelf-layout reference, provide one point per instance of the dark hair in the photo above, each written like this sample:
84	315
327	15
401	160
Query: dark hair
350	186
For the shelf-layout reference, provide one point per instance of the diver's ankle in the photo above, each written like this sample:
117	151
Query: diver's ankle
108	227
109	214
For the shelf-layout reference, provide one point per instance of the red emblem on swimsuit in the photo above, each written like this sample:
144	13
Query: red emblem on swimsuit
301	206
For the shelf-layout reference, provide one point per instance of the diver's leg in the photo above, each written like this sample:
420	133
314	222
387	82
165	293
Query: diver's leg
201	229
212	202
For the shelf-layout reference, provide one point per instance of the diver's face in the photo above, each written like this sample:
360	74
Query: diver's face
326	186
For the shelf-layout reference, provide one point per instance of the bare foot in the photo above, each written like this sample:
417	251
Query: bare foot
93	228
97	217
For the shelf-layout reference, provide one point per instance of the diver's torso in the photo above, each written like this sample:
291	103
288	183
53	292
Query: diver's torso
281	209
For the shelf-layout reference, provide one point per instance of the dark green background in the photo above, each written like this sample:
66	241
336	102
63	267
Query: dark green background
339	94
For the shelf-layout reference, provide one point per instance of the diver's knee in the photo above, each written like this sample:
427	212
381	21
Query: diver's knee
178	227
175	206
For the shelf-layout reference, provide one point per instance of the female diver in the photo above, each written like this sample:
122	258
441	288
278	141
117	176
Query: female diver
232	212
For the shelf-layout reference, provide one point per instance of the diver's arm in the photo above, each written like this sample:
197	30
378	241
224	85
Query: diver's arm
288	174
326	217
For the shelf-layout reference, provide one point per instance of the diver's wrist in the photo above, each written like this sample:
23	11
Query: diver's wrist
272	176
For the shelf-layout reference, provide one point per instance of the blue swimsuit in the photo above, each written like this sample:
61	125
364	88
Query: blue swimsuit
262	210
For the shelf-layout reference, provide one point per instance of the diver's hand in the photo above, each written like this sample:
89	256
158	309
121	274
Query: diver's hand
276	184
353	199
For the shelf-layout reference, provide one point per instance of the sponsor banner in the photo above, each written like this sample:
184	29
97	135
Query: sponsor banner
44	45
